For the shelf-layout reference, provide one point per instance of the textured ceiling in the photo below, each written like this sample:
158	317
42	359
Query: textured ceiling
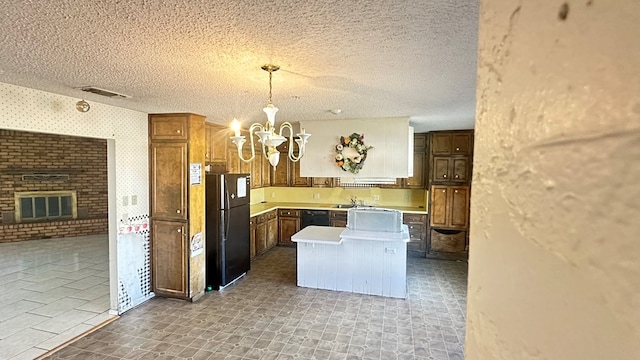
370	59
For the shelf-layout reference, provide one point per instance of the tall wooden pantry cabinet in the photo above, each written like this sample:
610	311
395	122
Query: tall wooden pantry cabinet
176	170
450	164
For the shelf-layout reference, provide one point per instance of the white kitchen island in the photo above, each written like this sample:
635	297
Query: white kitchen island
365	262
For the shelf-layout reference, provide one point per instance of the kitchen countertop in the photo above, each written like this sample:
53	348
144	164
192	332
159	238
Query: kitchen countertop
376	235
261	208
319	235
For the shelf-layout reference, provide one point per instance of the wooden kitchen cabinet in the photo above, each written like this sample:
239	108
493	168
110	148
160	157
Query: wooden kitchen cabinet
168	128
233	160
441	143
177	207
265	172
261	234
450	169
234	164
322	182
449	206
272	229
259	170
449	175
256	172
461	143
417	224
288	224
264	233
252	236
169	252
452	142
338	218
298	180
217	142
245	167
451	154
447	243
287	173
168	165
447	237
280	174
223	156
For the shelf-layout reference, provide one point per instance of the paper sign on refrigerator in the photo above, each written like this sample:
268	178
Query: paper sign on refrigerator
242	187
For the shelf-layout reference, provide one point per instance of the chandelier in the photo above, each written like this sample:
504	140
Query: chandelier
266	133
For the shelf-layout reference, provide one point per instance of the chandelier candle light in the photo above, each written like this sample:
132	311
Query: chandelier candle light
266	133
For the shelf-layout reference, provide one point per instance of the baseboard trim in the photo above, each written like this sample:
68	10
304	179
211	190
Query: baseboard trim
62	346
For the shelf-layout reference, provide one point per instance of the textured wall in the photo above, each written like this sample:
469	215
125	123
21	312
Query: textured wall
553	269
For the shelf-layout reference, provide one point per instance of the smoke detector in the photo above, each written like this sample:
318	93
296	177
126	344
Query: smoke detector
103	92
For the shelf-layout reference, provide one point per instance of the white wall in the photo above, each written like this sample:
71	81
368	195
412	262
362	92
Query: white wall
126	131
388	158
555	204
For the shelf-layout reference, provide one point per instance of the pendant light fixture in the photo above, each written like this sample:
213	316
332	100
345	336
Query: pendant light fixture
266	133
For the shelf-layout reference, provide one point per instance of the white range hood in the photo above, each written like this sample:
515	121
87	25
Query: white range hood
390	158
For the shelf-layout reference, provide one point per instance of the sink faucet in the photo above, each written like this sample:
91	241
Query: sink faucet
354	200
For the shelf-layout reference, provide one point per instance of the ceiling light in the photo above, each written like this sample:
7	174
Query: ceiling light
266	133
82	106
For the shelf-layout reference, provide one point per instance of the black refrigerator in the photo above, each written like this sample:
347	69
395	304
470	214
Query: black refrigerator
227	228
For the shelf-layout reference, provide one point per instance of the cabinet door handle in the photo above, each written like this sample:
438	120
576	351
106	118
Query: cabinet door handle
177	131
457	149
178	211
179	230
444	176
456	191
444	191
457	177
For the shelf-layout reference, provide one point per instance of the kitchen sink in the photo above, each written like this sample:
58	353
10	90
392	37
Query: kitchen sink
344	206
349	206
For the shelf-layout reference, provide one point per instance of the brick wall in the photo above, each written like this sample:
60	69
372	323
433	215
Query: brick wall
52	230
83	159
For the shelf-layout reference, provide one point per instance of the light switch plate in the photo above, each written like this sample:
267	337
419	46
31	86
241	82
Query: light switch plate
134	199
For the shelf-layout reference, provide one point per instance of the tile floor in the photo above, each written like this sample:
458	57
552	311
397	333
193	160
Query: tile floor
266	316
50	292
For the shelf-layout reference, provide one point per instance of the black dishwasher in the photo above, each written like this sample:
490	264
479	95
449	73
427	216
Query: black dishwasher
314	217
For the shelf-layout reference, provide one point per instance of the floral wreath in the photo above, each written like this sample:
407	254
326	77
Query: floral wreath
356	142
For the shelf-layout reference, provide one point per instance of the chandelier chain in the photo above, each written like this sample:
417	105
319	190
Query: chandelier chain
270	86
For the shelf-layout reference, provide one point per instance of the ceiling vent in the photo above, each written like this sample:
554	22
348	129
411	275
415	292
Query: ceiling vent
103	92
